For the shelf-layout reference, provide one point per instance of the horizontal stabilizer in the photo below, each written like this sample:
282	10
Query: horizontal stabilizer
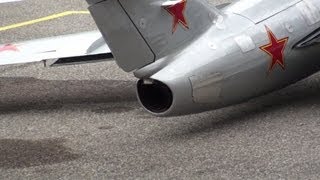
74	48
82	59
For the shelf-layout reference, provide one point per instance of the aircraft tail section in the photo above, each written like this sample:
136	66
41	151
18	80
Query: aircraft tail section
138	32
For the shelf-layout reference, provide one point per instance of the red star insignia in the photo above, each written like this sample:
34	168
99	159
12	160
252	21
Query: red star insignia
9	47
177	11
275	49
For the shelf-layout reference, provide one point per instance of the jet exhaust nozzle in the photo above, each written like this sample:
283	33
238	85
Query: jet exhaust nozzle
154	95
163	97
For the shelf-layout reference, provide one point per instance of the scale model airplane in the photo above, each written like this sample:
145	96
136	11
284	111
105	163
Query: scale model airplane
190	56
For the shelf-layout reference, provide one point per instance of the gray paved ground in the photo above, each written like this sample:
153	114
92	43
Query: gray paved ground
84	121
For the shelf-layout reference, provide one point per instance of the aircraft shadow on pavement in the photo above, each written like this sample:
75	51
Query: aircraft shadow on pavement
25	93
16	153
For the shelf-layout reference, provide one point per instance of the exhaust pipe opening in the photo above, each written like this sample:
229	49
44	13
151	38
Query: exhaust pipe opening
154	95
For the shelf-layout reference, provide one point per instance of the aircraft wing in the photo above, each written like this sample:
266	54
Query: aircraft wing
67	49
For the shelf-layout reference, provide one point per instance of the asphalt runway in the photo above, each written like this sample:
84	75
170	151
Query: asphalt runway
83	122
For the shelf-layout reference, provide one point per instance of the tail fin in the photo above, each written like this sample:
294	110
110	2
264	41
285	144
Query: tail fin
139	32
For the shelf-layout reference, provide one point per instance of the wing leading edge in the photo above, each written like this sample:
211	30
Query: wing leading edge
68	49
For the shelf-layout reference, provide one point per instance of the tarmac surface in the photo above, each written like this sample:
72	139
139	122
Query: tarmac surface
84	122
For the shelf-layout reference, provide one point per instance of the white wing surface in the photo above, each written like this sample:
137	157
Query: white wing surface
68	46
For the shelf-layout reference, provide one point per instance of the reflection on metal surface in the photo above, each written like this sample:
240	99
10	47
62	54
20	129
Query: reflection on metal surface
245	43
260	10
289	27
309	11
206	87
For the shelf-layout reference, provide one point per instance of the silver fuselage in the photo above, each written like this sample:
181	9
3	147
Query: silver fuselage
226	65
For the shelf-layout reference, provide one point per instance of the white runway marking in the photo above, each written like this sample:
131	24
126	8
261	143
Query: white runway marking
8	1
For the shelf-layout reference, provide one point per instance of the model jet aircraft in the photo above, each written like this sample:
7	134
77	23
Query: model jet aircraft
192	57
